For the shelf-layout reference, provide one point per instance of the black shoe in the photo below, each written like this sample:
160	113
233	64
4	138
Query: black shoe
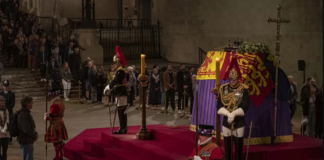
121	131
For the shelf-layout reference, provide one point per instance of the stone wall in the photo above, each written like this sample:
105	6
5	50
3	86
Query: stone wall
212	23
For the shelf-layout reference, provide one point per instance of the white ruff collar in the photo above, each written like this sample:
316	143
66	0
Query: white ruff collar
207	141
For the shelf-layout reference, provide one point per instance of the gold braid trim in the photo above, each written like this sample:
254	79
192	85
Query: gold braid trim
229	100
210	146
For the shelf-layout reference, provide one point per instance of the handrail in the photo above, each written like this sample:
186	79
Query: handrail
201	52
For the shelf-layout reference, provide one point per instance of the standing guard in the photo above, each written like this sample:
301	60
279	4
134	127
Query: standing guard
56	132
233	101
120	90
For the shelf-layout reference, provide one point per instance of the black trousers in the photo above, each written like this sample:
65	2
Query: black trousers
10	113
181	98
99	93
4	147
23	61
170	96
292	110
191	103
43	70
131	95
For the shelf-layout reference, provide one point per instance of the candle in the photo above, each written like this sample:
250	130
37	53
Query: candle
142	64
217	73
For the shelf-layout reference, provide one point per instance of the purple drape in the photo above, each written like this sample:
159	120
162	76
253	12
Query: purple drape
262	116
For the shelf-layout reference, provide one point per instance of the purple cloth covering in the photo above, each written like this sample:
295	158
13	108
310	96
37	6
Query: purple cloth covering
262	116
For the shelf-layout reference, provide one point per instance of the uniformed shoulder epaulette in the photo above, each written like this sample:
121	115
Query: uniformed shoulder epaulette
224	85
245	86
122	69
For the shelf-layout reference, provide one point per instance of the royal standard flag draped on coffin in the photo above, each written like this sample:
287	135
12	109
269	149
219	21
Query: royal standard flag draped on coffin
252	67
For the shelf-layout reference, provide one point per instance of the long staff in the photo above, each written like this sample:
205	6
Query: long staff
197	124
46	95
248	146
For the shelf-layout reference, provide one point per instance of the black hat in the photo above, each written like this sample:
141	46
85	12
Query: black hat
206	129
6	83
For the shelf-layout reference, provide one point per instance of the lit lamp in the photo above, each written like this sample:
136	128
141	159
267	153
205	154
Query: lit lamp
143	133
216	91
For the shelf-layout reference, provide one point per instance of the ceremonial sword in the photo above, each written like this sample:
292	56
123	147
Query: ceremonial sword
248	146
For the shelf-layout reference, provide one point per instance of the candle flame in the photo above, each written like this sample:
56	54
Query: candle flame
217	59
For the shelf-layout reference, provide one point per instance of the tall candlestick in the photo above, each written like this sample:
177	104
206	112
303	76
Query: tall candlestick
217	84
143	64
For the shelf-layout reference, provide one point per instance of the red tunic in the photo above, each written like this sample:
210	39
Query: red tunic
56	131
215	151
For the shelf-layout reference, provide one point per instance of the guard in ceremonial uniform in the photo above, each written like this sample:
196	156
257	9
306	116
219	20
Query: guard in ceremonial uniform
207	149
10	99
56	132
118	84
233	102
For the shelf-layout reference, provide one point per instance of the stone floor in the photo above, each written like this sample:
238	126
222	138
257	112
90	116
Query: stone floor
79	117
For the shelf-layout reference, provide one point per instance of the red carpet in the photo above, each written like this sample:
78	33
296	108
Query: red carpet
174	144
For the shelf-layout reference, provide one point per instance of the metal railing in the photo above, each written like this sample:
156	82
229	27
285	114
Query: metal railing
134	39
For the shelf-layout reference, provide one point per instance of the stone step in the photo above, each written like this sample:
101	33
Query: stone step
27	90
32	94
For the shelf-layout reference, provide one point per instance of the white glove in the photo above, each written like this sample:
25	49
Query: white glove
3	130
45	115
238	112
107	91
197	158
304	121
230	118
223	111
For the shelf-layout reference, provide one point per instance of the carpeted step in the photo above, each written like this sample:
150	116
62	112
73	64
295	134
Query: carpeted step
152	149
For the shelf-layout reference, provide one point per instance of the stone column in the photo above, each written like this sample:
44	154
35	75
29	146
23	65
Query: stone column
89	40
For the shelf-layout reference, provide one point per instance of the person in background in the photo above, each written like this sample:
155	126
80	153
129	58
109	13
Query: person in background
40	30
27	135
155	93
75	63
194	89
87	77
68	52
42	58
56	59
131	83
156	67
163	70
100	80
136	75
36	44
10	98
309	110
110	76
183	83
24	58
66	80
170	84
16	52
319	114
292	96
93	83
4	134
30	51
304	98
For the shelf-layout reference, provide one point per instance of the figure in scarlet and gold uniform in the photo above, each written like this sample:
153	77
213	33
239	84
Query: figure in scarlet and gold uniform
207	149
118	84
56	132
233	101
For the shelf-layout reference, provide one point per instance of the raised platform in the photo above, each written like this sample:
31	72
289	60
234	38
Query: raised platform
174	144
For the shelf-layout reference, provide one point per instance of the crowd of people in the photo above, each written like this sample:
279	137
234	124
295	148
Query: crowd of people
311	99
